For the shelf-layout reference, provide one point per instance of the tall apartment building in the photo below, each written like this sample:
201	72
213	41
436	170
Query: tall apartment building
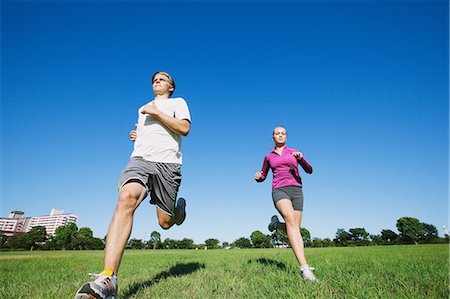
17	223
14	223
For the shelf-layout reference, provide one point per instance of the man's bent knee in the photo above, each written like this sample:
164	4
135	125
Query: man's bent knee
164	220
165	224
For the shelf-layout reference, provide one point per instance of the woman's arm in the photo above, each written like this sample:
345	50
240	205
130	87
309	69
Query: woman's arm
302	161
260	176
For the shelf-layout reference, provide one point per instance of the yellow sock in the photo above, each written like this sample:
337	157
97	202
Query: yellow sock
108	272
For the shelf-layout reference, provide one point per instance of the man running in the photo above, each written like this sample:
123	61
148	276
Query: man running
154	168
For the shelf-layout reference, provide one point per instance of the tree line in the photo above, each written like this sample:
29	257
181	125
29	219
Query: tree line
66	237
411	231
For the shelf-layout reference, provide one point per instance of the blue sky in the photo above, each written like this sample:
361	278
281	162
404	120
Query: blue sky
362	88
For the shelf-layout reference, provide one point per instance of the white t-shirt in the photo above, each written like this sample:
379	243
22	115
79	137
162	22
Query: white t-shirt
156	142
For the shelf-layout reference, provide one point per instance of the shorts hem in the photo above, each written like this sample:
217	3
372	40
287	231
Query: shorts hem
164	211
134	178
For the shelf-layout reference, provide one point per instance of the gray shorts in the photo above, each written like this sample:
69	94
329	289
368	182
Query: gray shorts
161	180
294	193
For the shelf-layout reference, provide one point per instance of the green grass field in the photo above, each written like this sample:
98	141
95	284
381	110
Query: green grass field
409	271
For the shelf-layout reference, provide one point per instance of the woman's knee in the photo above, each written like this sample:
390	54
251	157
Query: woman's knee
291	219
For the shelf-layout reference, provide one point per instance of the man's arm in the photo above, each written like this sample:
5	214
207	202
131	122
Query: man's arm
179	126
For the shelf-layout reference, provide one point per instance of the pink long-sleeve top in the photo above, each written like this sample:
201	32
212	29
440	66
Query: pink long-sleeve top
284	168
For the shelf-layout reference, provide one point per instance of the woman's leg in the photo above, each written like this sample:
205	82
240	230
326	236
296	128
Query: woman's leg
293	220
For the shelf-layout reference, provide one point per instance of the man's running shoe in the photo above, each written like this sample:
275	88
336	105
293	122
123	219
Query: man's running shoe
181	205
273	223
307	273
103	287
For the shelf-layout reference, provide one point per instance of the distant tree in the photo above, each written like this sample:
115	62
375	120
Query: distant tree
342	237
29	240
3	239
430	233
79	242
316	242
169	244
376	240
18	241
135	244
279	237
86	232
96	244
327	242
275	238
199	246
155	239
36	236
359	236
64	235
260	240
83	239
212	243
50	244
242	243
306	235
388	236
359	233
410	229
225	244
185	243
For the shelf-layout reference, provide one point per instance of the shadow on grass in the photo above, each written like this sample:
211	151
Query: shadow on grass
270	262
177	270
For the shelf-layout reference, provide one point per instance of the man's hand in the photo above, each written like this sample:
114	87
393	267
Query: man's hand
297	155
151	110
178	126
133	134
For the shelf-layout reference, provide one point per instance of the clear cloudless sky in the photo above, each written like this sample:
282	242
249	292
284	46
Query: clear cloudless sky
362	88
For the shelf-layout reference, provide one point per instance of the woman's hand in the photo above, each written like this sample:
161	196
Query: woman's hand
297	155
258	175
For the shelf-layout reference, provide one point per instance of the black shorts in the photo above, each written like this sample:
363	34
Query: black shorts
294	193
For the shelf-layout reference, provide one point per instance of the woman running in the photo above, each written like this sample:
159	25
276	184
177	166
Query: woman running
287	194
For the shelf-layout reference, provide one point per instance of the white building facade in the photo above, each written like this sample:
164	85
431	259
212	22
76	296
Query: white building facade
17	223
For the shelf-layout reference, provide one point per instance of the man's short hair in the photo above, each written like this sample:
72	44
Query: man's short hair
171	81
